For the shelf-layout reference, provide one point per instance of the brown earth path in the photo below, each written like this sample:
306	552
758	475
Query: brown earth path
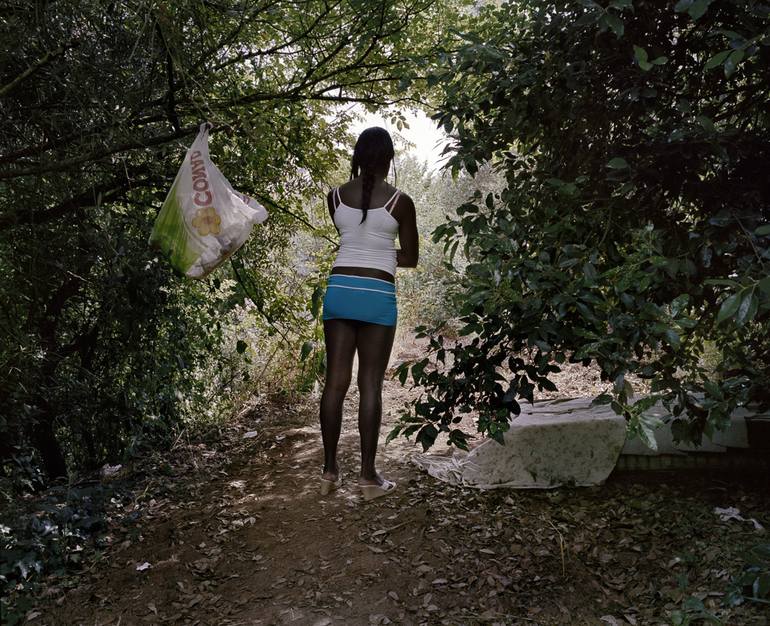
248	540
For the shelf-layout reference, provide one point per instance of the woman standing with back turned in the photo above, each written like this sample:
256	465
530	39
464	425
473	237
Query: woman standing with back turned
359	308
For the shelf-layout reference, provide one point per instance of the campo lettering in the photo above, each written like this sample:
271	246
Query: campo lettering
202	196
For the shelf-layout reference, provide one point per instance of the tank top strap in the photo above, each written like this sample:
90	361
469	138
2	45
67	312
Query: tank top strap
394	200
336	200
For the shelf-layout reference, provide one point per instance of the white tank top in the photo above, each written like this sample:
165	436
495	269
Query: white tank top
371	244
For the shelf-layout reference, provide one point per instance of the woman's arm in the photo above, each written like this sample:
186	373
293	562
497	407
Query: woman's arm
407	233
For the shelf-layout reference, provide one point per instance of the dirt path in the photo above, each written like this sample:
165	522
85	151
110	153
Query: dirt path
253	543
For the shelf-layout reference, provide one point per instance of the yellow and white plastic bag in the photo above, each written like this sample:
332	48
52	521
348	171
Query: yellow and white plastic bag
203	219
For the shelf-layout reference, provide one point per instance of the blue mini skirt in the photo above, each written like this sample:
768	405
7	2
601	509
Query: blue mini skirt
360	298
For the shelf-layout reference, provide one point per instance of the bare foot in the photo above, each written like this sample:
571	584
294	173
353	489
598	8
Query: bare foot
331	475
377	480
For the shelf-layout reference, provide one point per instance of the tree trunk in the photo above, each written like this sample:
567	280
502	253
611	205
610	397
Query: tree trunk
50	451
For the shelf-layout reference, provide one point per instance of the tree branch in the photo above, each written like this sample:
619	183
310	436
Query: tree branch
113	191
65	164
49	56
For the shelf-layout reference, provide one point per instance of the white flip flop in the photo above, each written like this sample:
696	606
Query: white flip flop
327	486
370	492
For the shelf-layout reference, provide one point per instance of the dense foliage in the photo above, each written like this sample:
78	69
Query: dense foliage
633	229
102	347
424	292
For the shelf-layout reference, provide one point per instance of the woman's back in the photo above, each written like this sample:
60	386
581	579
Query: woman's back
366	242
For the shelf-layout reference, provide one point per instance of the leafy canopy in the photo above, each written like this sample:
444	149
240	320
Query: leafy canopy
102	347
633	230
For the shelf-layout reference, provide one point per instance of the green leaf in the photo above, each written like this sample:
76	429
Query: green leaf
679	430
316	300
615	23
714	390
763	230
764	285
640	54
589	271
694	604
393	433
672	338
698	8
647	435
618	163
732	62
706	123
458	438
717	59
761	586
603	398
729	307
307	348
427	436
241	346
678	303
722	281
645	403
747	308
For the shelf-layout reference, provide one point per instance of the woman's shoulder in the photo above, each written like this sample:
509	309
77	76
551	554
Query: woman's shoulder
403	195
404	198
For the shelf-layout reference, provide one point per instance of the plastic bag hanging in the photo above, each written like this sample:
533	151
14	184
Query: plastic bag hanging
203	219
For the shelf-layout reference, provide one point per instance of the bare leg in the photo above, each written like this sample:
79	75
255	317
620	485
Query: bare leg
340	337
374	343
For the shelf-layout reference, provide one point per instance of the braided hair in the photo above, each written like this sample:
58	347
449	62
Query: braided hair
373	153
